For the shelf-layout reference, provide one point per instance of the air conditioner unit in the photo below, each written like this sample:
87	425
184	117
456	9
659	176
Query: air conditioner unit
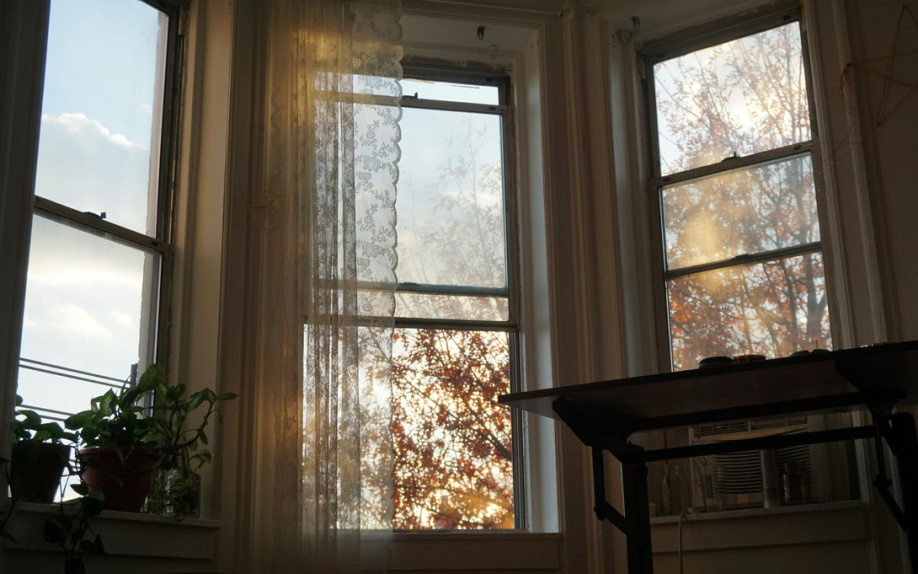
735	480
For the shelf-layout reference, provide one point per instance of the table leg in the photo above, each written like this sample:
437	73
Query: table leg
637	511
905	447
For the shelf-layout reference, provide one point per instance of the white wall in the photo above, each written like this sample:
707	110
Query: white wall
882	71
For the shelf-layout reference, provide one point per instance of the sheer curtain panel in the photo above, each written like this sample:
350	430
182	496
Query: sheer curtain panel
329	224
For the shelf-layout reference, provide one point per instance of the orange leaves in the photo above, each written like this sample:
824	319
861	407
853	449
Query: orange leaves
453	467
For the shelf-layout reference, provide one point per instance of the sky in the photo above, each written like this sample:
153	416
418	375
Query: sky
84	293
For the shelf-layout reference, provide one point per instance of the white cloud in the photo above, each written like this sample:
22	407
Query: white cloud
123	319
84	165
79	123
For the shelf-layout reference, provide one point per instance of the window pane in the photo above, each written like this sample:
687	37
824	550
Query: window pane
453	463
45	381
772	309
450	199
445	91
749	210
89	306
744	96
422	306
101	109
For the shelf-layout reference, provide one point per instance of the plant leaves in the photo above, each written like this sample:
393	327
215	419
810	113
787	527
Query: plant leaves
93	506
150	378
80	489
53	532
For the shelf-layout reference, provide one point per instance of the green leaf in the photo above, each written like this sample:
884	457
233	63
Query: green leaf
53	532
131	397
176	392
32	419
162	426
150	377
105	404
54	430
93	506
195	402
227	396
79	420
80	489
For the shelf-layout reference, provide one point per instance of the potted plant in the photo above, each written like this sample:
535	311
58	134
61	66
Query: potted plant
176	491
71	530
122	449
118	454
38	456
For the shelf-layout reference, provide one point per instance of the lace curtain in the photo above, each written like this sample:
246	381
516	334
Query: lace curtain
330	231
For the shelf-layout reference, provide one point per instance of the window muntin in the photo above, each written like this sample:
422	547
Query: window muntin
451	92
456	331
736	180
101	225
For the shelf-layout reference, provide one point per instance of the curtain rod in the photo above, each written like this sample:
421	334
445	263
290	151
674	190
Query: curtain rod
559	12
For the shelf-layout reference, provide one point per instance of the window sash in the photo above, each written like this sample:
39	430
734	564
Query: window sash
161	242
510	291
679	45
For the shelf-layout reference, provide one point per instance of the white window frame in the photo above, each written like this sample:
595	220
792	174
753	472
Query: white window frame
479	74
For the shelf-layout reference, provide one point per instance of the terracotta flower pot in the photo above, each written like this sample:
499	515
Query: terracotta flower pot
125	484
36	470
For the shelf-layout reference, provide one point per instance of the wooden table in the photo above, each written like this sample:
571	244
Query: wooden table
604	415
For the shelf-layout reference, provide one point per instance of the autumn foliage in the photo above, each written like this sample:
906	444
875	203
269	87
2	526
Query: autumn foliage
714	107
453	466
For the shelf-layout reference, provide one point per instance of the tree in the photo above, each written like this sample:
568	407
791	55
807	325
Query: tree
452	441
735	99
453	465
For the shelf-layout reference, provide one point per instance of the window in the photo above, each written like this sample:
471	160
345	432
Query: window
736	176
101	227
456	336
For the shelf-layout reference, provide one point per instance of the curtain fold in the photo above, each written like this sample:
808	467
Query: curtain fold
330	261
